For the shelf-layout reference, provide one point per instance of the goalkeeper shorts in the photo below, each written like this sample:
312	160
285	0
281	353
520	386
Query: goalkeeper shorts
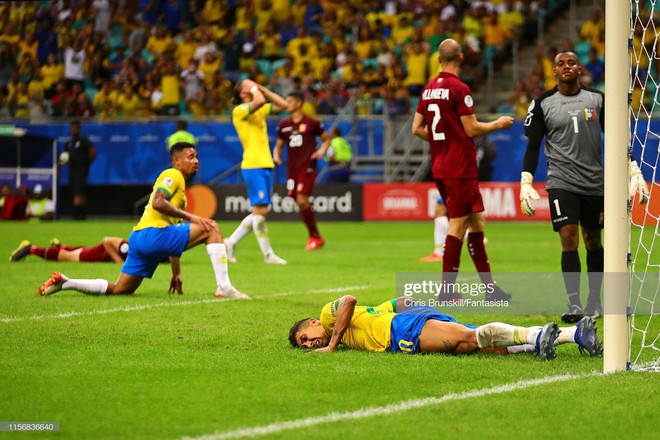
569	208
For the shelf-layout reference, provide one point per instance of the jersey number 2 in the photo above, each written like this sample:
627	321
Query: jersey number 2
436	120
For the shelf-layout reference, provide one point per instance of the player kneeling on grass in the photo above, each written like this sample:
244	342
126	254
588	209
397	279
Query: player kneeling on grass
392	326
160	233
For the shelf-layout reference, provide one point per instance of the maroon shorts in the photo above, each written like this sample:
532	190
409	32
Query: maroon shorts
301	182
462	197
96	254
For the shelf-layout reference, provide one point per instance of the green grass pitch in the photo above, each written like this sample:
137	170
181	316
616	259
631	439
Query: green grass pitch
159	366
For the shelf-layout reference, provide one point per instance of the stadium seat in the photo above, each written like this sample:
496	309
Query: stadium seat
266	67
277	64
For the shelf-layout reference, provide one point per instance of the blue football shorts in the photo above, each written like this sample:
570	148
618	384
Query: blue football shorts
407	326
259	182
148	247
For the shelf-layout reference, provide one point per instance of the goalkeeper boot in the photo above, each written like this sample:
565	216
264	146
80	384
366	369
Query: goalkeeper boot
230	293
22	251
573	315
545	342
593	310
53	285
498	294
586	337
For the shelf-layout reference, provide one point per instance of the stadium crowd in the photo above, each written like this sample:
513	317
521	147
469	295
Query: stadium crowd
112	59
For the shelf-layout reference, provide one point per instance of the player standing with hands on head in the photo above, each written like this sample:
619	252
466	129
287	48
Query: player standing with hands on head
445	118
162	232
249	119
299	133
571	117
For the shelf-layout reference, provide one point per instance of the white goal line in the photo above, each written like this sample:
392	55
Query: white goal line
173	304
393	408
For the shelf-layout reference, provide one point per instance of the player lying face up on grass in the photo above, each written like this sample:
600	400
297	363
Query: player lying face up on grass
165	229
394	326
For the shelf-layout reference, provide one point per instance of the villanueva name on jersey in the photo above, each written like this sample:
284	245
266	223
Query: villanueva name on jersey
432	94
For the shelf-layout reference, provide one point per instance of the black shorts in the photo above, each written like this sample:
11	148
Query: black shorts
78	180
569	208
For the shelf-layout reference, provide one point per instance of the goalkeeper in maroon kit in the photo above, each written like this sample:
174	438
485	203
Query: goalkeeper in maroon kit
299	132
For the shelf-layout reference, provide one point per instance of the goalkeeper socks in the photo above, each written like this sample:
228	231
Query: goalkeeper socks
217	252
242	230
571	268
261	231
479	256
309	218
566	335
595	267
498	334
440	234
46	253
88	287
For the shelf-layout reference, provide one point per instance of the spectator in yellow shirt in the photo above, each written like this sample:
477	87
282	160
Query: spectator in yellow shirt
128	103
159	42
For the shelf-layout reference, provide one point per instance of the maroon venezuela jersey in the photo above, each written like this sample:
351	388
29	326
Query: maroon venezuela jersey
300	139
442	102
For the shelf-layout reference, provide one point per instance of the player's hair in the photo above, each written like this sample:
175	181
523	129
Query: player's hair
237	93
296	95
554	61
181	124
298	326
449	51
336	131
75	122
179	147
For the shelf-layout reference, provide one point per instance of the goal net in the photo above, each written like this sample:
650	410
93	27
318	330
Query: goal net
644	250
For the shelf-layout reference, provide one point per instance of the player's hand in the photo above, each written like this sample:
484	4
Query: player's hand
505	122
637	184
206	223
277	159
527	194
324	350
176	284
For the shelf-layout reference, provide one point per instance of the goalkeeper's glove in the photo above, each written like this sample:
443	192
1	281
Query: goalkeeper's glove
527	193
637	184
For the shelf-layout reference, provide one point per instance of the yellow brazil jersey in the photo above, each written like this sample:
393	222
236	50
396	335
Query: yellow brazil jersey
173	183
252	131
369	328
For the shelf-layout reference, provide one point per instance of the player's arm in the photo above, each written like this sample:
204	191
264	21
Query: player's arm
318	154
162	204
419	127
279	103
277	152
534	130
476	128
176	284
343	316
111	246
258	99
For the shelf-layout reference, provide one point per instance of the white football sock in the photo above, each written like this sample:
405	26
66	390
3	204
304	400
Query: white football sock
525	348
440	234
242	230
566	335
217	252
498	334
261	231
88	287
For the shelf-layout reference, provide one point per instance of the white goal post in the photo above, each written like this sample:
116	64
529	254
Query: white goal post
617	229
